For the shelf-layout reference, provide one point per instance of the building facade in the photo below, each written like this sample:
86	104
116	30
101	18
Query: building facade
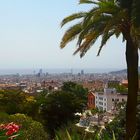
108	99
91	100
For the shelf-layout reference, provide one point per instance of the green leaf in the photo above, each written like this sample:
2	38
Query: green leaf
72	17
68	135
3	137
114	136
70	34
135	137
86	2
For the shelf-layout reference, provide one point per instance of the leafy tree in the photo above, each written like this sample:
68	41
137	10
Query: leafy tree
76	89
41	97
105	19
59	109
30	107
13	102
121	89
118	124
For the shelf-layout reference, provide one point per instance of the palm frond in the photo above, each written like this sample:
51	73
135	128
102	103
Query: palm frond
114	22
93	24
110	29
89	16
73	17
105	38
104	19
87	2
136	13
107	7
70	34
117	32
88	41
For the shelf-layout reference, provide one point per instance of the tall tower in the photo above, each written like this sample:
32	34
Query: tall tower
40	71
82	72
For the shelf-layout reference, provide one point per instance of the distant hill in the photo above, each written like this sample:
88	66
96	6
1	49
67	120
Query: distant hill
123	71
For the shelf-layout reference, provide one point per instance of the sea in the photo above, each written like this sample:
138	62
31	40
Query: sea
54	71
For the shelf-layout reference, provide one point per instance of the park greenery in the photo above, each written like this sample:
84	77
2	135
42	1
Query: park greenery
44	113
52	115
120	88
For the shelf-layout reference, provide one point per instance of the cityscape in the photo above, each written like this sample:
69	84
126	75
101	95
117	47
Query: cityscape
37	82
69	70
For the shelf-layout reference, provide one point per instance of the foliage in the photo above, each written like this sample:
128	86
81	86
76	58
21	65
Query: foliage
103	20
41	97
59	109
119	88
74	136
30	129
76	89
122	89
41	107
118	123
4	117
114	130
12	101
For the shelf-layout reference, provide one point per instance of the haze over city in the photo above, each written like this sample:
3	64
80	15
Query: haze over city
30	36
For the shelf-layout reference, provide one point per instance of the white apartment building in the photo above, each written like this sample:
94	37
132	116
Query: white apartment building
106	100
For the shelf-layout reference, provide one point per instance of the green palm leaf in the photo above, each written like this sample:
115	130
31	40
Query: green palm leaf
70	34
105	19
73	17
86	2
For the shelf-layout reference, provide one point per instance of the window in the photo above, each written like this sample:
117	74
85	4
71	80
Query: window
112	100
104	104
100	108
101	98
100	103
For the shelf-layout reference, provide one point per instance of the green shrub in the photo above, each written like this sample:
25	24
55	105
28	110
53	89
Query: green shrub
4	117
30	129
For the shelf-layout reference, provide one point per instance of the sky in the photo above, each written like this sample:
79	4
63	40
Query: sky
30	36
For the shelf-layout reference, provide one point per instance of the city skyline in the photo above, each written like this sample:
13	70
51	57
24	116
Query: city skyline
31	34
55	71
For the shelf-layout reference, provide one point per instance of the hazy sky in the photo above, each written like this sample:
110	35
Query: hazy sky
30	35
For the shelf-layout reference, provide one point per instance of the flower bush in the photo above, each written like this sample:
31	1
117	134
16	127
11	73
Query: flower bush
9	131
29	128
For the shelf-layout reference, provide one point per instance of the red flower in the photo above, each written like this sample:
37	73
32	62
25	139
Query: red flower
12	128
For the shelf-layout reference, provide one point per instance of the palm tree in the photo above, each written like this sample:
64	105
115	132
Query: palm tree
106	19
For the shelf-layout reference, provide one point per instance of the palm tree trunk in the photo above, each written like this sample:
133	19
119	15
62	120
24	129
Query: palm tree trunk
132	75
